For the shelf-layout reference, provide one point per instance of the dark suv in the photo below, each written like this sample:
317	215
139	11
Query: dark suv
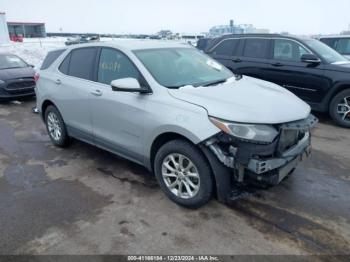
308	68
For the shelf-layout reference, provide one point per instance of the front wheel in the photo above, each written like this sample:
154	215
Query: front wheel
339	108
184	174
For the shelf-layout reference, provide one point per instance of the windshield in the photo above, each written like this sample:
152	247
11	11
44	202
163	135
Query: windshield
177	67
11	61
327	53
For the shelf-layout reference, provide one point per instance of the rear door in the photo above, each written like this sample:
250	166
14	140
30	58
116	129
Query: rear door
285	68
227	53
74	86
253	60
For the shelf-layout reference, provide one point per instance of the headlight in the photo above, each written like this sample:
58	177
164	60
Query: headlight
259	133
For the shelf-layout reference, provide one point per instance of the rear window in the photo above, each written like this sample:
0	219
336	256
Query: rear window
64	67
226	47
81	63
255	47
50	58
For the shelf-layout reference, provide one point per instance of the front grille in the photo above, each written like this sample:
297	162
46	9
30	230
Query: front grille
20	86
288	138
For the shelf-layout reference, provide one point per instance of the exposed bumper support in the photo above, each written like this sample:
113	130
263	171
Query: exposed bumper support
263	166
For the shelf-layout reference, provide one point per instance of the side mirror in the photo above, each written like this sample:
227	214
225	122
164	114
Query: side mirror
310	59
128	84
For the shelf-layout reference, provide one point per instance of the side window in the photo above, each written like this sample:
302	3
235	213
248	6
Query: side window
343	45
115	65
64	67
50	58
288	50
226	47
82	62
255	47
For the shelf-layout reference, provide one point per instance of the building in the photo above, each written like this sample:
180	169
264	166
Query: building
4	34
250	29
26	30
235	29
225	29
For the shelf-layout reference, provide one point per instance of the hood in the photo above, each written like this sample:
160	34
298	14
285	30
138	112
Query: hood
341	66
13	73
248	100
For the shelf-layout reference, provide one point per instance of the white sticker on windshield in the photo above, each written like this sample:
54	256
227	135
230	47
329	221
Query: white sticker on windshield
214	64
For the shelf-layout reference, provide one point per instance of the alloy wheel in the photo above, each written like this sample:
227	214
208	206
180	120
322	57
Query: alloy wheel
180	176
343	108
54	126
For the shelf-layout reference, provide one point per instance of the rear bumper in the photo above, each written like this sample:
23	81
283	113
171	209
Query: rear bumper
12	97
26	92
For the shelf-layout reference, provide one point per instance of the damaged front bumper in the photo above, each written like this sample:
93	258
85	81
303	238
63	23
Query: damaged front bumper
265	164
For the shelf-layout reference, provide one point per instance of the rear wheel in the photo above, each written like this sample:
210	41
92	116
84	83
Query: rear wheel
183	173
339	108
55	127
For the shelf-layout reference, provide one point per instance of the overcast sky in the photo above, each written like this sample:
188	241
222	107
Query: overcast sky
183	16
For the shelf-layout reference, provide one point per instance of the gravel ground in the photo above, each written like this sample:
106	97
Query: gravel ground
83	200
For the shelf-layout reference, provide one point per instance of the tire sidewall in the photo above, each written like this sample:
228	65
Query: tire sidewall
191	152
64	137
334	107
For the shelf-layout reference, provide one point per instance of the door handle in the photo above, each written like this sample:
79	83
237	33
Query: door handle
237	60
58	82
97	92
277	64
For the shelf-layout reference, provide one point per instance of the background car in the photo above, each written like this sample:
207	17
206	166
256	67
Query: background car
82	39
16	38
340	43
310	69
16	77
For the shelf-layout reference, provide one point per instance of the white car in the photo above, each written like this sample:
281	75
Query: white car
178	112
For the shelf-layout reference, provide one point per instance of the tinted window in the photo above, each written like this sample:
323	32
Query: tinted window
255	48
343	46
64	67
50	58
327	53
328	41
226	47
82	63
288	50
202	44
115	65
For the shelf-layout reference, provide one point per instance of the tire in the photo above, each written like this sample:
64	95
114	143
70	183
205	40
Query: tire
196	181
53	119
336	103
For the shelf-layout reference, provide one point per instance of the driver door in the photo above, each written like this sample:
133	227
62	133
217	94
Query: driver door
286	69
117	117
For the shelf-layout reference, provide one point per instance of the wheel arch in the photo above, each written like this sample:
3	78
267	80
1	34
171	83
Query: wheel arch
162	139
44	106
336	90
221	175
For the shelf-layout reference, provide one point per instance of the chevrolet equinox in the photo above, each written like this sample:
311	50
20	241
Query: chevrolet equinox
169	107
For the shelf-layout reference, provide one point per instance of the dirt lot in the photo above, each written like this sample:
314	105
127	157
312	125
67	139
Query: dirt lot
83	200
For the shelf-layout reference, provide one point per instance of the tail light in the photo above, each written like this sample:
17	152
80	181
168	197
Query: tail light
36	77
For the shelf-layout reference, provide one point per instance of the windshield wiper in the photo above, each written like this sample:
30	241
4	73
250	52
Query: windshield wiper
214	83
10	67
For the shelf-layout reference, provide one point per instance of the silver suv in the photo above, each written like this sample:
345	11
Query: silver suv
178	112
